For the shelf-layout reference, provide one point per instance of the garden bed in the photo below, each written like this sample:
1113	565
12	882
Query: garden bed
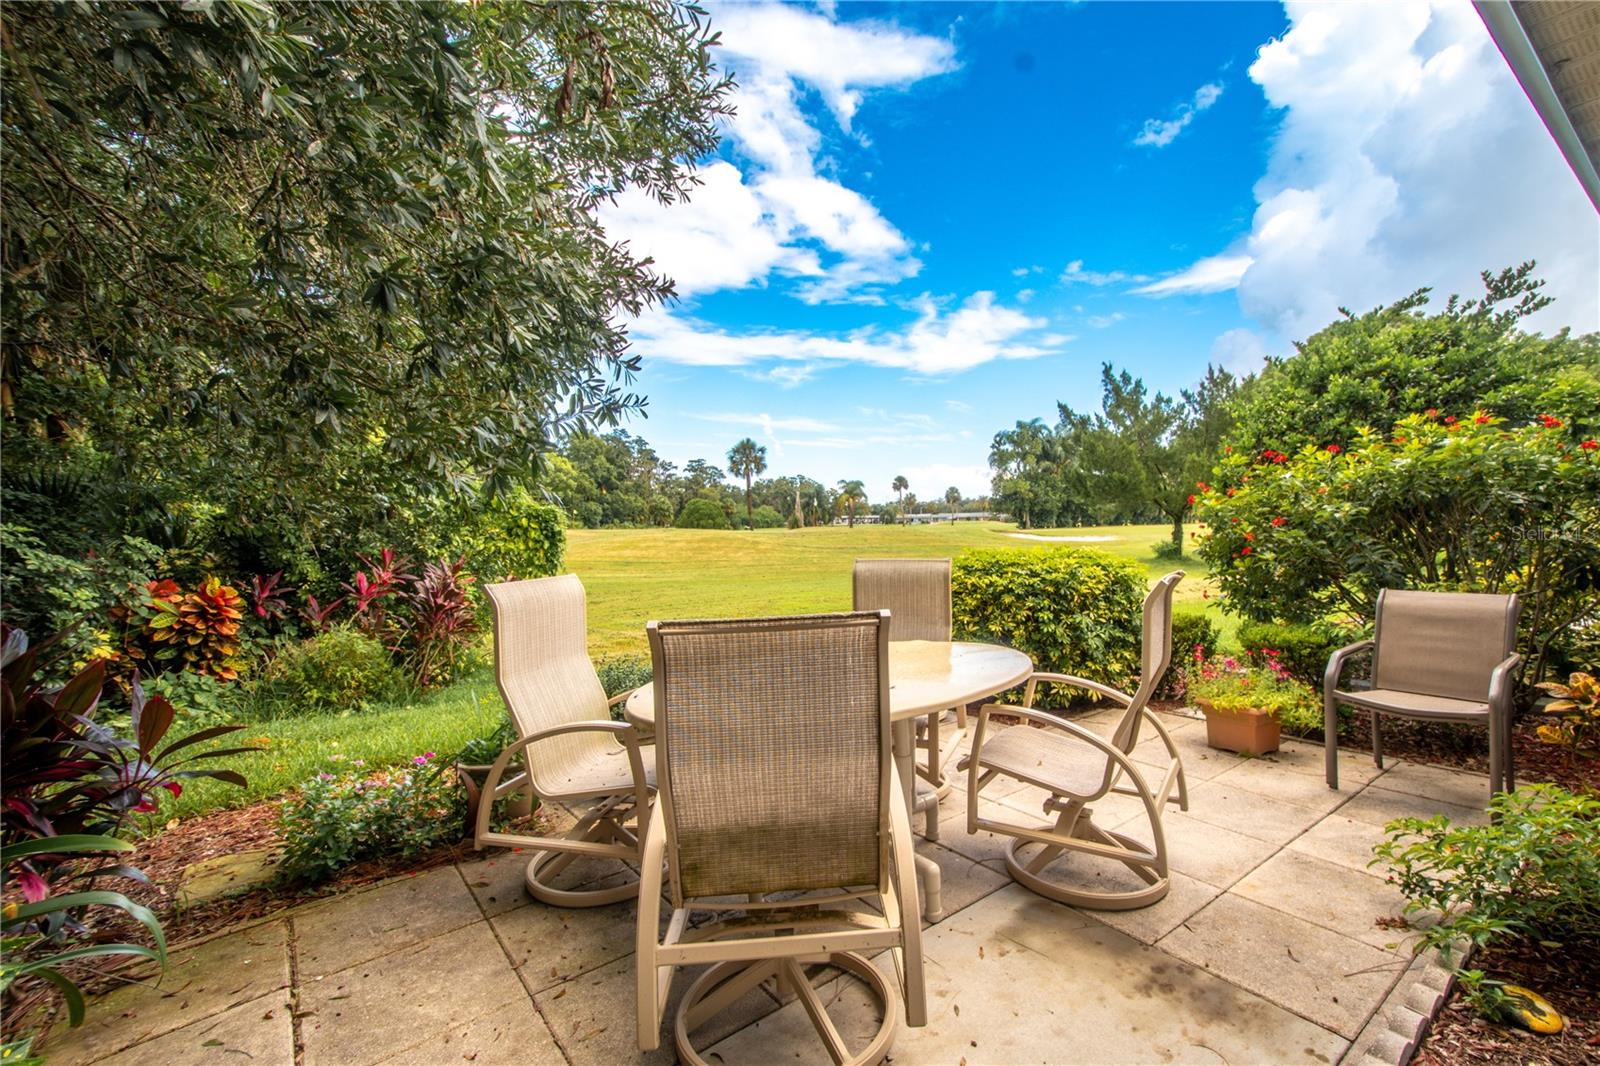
1467	748
1568	979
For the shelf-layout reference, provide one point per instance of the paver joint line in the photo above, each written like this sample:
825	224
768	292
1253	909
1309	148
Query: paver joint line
292	946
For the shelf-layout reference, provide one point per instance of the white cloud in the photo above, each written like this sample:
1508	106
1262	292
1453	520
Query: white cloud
1217	273
1408	156
939	341
958	406
1075	274
1105	321
779	215
1160	132
766	421
1240	351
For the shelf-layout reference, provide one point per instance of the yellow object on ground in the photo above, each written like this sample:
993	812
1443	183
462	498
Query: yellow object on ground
1532	1011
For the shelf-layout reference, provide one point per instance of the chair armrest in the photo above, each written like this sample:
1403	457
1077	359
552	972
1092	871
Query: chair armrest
1336	661
621	697
1073	682
1501	682
621	730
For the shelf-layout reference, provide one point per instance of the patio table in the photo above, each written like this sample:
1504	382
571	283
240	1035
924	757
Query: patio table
925	677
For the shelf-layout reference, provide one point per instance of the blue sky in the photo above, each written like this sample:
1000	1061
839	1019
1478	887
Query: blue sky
927	221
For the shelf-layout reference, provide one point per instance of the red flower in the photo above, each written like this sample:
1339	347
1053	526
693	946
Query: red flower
1278	521
1590	445
1550	421
1191	499
1249	536
1480	418
1230	492
1334	449
1450	420
1227	449
1202	486
1245	550
1432	412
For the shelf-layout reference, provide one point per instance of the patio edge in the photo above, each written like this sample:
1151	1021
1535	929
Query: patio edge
1396	1029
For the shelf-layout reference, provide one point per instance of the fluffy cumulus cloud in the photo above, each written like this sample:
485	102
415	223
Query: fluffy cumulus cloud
1160	132
1407	156
940	341
775	213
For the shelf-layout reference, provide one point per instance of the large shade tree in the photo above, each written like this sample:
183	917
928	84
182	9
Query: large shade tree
304	261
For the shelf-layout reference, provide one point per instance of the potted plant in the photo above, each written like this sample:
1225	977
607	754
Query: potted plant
1245	706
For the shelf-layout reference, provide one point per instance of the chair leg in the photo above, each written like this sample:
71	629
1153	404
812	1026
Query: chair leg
544	865
1330	740
1377	739
1497	757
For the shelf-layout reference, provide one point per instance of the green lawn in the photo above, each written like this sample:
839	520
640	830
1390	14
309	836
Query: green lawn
632	576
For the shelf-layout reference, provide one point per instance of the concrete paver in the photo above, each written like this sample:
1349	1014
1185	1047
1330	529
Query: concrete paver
1266	949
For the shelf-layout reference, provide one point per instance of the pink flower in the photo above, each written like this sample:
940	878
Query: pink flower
33	886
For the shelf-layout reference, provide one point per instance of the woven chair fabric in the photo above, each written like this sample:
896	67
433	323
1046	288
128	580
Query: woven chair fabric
770	733
1441	643
1416	704
1155	655
545	674
915	592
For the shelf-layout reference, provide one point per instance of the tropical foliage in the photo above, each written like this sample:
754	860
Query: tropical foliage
1574	714
1458	501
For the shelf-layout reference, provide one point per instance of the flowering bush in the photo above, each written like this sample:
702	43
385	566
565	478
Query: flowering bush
1576	711
1464	503
1231	686
341	818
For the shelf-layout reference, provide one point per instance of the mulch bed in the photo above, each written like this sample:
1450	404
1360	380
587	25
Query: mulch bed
1568	979
1467	748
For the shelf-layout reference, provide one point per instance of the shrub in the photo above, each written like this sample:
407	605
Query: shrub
1072	610
1462	503
166	628
342	669
1231	687
1302	650
1576	714
1168	551
200	699
442	624
1532	874
339	819
623	673
1190	630
702	514
513	536
767	517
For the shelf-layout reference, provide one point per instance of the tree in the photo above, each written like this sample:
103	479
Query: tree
747	459
306	263
900	485
1369	370
952	496
701	513
850	494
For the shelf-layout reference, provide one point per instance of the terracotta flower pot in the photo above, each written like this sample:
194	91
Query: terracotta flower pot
1248	732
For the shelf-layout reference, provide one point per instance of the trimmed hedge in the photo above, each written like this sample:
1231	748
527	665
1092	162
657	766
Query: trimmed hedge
514	536
1072	610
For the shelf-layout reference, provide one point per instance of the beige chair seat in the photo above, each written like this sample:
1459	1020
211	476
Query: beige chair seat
1054	761
1414	704
598	773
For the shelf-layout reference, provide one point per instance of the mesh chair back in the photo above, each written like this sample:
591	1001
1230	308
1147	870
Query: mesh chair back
915	592
772	752
1442	643
1155	655
543	667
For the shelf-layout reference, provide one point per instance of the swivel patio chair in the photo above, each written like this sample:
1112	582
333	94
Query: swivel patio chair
916	593
1436	657
1078	767
573	755
778	814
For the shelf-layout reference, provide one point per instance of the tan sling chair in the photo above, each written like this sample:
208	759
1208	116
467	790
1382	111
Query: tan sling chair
777	811
1078	767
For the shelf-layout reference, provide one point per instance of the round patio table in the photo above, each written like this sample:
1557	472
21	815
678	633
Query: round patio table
925	677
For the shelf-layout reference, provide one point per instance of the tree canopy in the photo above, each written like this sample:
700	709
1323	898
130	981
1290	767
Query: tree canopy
304	262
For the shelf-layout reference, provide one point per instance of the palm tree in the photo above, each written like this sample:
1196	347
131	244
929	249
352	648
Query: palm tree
849	493
747	459
952	496
900	485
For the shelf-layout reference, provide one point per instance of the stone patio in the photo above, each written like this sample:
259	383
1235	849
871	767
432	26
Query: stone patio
1267	950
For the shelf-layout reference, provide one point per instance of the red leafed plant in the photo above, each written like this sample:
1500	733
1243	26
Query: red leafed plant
319	616
443	620
372	590
268	597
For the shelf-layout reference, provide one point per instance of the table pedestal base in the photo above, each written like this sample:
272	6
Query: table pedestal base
904	739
